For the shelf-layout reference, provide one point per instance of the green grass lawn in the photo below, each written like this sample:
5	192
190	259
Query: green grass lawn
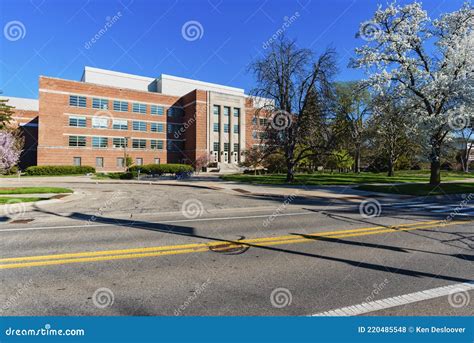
33	190
325	179
12	200
422	189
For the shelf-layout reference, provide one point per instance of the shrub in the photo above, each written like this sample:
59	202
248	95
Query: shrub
59	170
160	169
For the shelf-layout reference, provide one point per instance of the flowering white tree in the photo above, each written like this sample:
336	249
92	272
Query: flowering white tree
9	151
428	61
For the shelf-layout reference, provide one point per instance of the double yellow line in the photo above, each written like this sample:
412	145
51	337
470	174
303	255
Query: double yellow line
110	255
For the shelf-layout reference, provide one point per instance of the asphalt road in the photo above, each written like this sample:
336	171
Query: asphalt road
166	250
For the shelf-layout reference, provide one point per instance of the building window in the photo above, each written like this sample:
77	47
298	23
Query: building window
120	106
139	161
175	112
254	134
157	110
216	127
226	111
156	144
77	121
236	112
119	143
139	108
175	146
99	142
102	104
156	160
254	120
226	146
236	128
139	126
262	121
77	101
216	146
226	128
76	161
79	141
139	143
175	128
100	123
120	162
156	127
236	147
118	124
216	110
99	162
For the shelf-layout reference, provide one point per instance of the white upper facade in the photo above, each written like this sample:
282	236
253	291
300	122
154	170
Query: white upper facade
25	104
165	84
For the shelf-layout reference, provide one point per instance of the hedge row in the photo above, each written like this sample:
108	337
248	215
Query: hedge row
160	169
59	170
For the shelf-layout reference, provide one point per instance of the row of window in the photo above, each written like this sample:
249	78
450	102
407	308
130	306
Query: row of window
123	106
117	142
120	161
226	128
226	146
119	124
226	112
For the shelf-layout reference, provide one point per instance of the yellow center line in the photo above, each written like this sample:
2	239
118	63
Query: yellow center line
94	256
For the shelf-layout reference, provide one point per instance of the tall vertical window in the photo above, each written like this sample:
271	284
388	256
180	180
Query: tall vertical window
99	162
139	108
77	101
226	128
226	111
216	127
236	112
102	104
236	128
216	110
236	147
120	162
226	146
215	146
120	106
139	161
76	161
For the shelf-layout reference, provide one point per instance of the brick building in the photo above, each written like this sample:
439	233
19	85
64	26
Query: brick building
108	115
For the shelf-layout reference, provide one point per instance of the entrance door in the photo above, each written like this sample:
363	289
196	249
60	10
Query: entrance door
214	156
226	156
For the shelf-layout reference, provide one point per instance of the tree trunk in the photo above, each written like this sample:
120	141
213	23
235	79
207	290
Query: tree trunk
435	178
390	168
290	173
357	160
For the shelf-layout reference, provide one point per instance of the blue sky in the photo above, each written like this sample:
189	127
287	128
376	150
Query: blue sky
146	36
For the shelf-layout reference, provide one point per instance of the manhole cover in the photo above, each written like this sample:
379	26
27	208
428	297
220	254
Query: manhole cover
21	221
